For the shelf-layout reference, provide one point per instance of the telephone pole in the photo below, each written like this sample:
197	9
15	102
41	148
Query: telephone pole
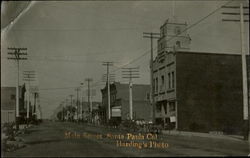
130	73
28	76
62	111
35	104
77	105
17	55
82	101
67	109
71	100
90	106
108	63
243	59
151	36
71	105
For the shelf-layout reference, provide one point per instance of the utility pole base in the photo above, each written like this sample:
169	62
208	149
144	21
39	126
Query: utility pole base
17	123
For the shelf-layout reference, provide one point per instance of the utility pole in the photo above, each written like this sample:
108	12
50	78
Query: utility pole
16	55
28	76
67	109
35	104
71	100
82	101
152	36
130	73
108	63
77	105
243	59
62	111
90	106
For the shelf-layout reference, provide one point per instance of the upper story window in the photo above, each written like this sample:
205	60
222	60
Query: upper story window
177	30
172	106
165	108
161	45
162	32
173	80
158	108
156	85
169	80
178	44
153	85
148	96
162	82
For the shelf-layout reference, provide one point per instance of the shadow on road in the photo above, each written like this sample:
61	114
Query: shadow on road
43	141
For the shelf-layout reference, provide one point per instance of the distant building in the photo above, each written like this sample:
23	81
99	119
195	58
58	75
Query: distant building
119	101
8	103
97	111
196	91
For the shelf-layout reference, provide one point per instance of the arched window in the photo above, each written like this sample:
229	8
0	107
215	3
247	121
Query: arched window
178	44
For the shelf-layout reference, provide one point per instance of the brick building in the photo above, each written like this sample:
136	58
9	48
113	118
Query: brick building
119	101
196	91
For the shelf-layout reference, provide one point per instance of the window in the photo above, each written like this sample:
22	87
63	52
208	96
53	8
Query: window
158	108
162	32
169	80
13	97
154	85
165	108
162	82
177	30
173	80
171	106
178	44
156	80
148	96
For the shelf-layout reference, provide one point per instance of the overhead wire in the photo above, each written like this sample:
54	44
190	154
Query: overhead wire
144	54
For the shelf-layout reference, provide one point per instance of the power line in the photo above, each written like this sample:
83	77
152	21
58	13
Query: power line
144	54
199	21
191	26
58	88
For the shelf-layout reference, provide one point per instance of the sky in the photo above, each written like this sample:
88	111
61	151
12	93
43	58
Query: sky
68	41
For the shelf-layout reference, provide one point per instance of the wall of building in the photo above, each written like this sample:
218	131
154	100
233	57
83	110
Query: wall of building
8	104
209	92
8	116
165	93
141	110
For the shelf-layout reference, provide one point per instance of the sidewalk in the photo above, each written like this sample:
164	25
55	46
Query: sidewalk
204	135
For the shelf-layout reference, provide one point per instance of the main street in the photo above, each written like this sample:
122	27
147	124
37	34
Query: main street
49	139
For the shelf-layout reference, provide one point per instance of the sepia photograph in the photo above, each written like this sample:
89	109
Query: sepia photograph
125	78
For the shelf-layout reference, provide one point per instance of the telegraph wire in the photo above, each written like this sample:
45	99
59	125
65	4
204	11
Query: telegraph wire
144	54
191	26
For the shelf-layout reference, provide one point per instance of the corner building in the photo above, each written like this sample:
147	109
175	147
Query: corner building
195	91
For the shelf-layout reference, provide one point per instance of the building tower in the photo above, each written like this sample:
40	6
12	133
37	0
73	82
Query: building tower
173	34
